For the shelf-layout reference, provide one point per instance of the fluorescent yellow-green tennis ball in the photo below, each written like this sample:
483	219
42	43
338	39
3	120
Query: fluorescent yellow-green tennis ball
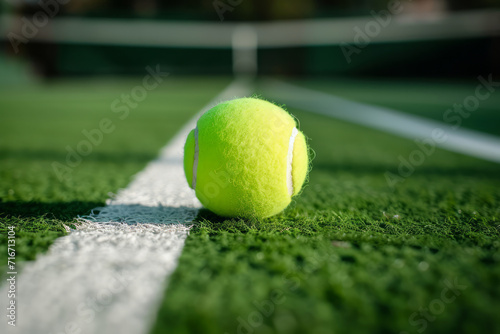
246	158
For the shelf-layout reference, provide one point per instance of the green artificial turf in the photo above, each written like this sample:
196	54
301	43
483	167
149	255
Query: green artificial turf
38	122
351	254
424	97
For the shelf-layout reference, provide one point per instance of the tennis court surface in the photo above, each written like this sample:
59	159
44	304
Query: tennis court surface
397	229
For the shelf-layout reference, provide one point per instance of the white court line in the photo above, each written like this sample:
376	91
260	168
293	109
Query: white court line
460	140
109	276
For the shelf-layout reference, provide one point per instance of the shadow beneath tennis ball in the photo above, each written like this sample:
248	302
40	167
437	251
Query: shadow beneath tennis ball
208	221
205	214
137	214
53	210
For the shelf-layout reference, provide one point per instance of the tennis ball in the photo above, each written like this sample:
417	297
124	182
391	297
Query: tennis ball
246	158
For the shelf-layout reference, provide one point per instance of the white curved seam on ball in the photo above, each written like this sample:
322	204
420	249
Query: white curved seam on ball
289	161
195	159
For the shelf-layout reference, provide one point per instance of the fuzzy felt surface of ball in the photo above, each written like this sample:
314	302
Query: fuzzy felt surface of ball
246	158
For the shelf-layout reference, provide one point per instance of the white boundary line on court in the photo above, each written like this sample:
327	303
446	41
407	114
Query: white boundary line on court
460	140
109	275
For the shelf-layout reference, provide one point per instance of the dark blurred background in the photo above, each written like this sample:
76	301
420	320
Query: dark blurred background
426	38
